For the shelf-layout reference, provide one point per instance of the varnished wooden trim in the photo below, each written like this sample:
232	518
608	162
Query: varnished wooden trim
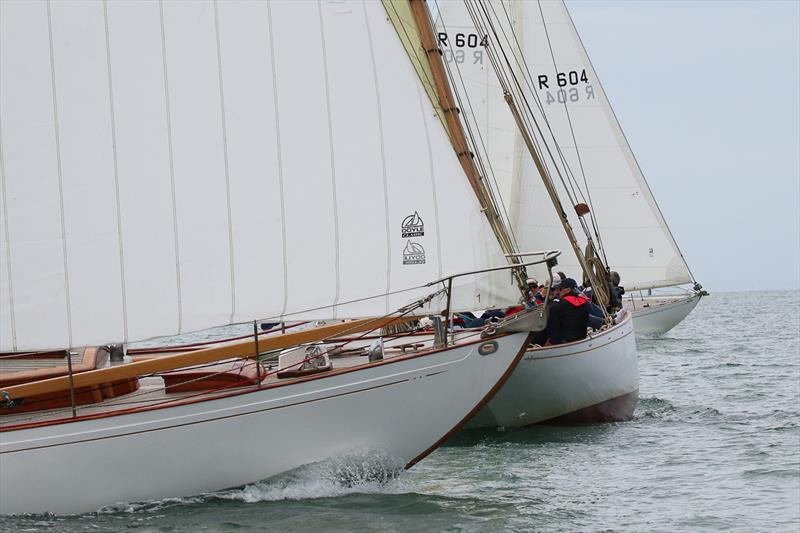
244	349
91	358
204	396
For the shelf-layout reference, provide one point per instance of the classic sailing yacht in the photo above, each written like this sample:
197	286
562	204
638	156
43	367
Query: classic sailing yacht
598	165
172	166
591	380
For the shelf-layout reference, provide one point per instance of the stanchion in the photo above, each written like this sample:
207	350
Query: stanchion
255	339
71	384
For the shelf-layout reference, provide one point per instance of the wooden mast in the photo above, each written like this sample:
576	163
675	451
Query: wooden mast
455	129
600	294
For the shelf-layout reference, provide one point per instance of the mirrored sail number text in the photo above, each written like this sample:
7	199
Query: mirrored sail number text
570	86
462	47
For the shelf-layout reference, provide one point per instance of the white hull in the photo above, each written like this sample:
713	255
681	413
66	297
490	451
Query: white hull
593	380
660	314
402	408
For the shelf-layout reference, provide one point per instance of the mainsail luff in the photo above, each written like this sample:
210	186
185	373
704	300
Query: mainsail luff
450	112
285	133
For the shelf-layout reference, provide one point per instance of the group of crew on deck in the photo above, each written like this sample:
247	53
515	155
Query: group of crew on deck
571	309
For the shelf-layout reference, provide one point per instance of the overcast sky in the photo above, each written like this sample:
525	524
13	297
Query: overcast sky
708	94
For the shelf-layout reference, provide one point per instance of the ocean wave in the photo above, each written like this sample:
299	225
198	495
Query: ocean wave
653	408
664	410
367	472
148	507
339	476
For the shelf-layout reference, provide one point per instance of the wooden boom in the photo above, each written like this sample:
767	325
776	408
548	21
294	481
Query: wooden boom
243	349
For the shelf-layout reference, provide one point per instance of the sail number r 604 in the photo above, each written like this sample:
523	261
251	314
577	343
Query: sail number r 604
468	40
572	77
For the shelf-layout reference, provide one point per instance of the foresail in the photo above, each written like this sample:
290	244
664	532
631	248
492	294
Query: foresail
173	166
635	236
596	155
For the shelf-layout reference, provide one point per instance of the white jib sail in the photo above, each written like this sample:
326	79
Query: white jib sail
635	236
173	166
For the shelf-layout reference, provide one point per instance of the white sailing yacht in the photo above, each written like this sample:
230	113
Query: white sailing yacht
172	166
498	53
598	164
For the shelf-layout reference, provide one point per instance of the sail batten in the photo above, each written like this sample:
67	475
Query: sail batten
236	168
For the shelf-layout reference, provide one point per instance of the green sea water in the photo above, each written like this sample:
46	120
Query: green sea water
714	446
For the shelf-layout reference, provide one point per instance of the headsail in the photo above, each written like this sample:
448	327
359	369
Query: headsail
169	167
596	155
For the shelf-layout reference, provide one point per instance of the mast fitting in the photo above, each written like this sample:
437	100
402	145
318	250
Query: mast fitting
582	209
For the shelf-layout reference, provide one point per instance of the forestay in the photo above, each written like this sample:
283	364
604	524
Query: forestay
582	124
168	167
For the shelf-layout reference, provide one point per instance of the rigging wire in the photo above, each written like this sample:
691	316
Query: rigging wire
573	192
515	88
528	78
485	22
485	161
572	133
498	211
517	53
483	19
510	84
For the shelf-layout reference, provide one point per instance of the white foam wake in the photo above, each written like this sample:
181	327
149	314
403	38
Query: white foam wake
355	473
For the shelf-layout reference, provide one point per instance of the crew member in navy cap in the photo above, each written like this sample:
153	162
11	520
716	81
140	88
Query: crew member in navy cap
569	314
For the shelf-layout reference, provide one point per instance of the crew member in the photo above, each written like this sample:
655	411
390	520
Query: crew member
615	292
569	314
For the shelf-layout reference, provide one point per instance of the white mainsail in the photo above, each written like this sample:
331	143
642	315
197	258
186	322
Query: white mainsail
635	237
173	166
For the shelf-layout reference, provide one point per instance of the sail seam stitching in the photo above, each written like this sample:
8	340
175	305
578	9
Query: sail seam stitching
8	242
279	160
60	174
337	268
383	157
224	125
116	176
433	181
171	166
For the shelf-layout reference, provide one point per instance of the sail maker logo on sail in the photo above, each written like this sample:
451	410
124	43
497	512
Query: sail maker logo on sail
413	254
412	226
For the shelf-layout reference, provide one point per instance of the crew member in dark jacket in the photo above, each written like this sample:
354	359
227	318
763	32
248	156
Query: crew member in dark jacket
569	314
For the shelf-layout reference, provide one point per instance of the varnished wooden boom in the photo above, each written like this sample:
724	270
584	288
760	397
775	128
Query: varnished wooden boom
243	349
